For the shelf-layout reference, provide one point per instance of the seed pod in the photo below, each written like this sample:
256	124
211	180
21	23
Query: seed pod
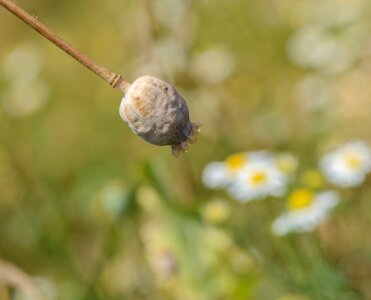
156	112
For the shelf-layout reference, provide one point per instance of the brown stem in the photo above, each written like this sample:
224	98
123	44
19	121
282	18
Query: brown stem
115	80
12	276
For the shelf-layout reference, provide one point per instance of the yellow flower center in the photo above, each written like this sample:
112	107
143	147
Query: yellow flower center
300	198
216	211
353	161
258	178
236	161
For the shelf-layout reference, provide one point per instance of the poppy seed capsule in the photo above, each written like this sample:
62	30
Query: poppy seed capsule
156	112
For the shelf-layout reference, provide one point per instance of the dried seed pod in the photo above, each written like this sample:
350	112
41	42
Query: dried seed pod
155	111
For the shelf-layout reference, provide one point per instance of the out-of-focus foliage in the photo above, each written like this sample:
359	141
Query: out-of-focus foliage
91	211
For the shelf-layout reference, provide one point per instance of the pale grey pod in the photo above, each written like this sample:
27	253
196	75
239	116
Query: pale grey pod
155	111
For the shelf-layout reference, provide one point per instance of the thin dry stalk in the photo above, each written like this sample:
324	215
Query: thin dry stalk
13	277
115	80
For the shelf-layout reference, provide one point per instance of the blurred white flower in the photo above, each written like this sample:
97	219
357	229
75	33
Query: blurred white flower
347	11
221	174
212	66
167	58
348	165
305	211
314	46
24	62
310	46
258	180
170	13
313	92
171	56
287	162
25	97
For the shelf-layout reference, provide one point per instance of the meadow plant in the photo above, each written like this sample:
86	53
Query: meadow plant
260	174
153	109
92	216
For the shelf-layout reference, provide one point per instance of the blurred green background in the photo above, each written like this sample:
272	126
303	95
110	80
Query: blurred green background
91	211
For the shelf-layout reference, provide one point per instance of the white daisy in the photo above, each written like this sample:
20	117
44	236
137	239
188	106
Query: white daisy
257	180
305	211
348	165
219	175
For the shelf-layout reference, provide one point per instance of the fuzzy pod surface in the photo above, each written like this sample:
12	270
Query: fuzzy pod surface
156	112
